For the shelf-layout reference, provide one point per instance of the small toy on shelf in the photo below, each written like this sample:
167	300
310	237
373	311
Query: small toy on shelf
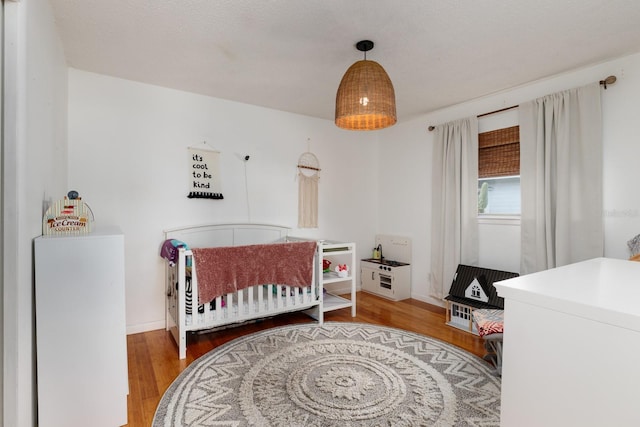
326	266
342	270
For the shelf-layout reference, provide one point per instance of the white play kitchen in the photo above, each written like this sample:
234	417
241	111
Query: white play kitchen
388	272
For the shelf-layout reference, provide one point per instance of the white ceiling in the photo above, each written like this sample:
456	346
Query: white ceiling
291	54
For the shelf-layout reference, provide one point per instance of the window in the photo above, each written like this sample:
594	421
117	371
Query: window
475	291
499	171
461	311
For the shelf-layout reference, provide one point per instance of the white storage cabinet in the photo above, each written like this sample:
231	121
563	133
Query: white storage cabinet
571	346
81	343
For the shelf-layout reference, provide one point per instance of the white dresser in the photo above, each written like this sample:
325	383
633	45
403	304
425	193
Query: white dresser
572	346
81	343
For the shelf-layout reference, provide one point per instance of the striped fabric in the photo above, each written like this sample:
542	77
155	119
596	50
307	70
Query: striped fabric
489	321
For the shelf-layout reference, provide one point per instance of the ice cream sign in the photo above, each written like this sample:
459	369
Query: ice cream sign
68	216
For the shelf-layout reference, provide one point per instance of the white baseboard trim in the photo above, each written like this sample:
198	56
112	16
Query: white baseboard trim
145	327
429	300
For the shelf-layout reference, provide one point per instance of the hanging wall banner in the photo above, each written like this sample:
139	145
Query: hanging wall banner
204	174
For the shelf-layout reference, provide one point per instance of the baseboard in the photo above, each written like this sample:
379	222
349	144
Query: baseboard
429	300
145	327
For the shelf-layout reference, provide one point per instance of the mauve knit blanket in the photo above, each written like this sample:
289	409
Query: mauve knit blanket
228	269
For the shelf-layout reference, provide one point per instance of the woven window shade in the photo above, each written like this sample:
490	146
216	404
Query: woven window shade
365	79
499	153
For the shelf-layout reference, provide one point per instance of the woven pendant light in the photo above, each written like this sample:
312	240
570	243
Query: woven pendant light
365	99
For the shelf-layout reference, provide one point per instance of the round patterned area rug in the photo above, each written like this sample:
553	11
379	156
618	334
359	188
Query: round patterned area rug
338	374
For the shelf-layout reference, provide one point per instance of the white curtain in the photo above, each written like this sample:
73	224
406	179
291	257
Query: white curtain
561	179
454	207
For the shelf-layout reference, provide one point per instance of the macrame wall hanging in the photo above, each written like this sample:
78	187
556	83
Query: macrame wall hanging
204	173
308	176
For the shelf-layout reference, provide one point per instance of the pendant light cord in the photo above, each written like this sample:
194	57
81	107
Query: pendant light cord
246	189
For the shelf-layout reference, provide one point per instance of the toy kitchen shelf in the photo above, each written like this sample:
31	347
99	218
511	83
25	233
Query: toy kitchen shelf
337	253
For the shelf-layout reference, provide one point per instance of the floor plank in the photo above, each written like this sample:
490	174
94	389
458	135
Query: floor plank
153	356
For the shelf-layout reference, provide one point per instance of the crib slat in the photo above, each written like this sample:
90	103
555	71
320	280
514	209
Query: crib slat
250	299
228	312
261	299
241	304
289	297
218	309
270	297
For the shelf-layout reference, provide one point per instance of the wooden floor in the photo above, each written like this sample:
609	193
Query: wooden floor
154	363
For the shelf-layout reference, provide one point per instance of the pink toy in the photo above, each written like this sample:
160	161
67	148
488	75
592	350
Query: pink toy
342	270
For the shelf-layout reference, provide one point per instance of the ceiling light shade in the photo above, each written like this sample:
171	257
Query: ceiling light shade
365	99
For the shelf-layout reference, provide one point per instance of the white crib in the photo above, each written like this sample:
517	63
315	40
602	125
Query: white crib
260	301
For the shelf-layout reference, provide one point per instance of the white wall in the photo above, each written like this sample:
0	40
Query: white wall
128	143
36	152
406	149
128	160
